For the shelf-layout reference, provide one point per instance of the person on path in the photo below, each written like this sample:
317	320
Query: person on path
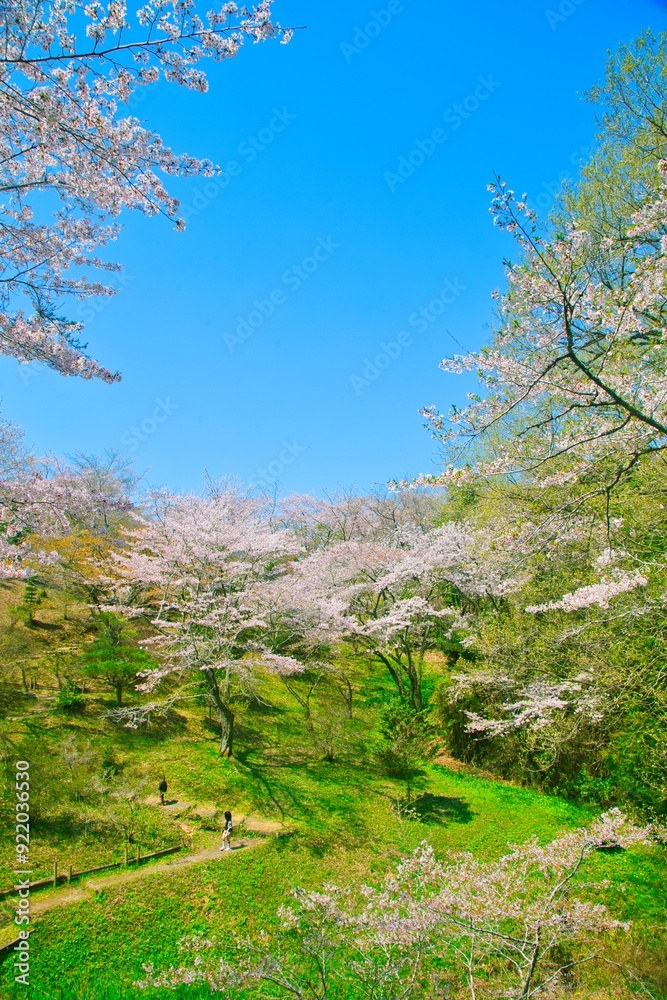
162	789
227	832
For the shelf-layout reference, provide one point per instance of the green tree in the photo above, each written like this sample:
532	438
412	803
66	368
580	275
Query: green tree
25	610
631	108
114	656
405	741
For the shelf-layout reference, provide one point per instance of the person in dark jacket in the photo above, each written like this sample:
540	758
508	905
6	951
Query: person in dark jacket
162	789
227	832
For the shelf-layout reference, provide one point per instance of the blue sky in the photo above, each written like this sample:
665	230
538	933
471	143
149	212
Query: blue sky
292	333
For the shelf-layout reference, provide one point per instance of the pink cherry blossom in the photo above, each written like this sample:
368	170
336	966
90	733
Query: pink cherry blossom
68	75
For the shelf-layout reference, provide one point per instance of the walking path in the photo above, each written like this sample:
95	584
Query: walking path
256	829
90	886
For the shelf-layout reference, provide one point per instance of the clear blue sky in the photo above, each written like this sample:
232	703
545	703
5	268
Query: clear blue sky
316	224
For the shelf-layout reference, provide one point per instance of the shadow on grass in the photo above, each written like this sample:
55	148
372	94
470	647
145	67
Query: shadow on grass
278	793
304	791
66	827
14	700
160	728
442	809
251	738
259	707
45	626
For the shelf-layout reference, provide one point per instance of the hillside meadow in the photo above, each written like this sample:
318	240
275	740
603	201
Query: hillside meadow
310	821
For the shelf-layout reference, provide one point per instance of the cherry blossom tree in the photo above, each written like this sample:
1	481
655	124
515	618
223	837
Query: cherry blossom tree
44	502
563	681
340	517
525	698
516	928
574	382
566	432
68	71
194	569
297	630
397	599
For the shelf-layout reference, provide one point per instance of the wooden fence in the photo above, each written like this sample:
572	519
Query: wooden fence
68	875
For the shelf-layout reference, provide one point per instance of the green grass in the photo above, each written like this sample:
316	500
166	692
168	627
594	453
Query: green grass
95	950
342	823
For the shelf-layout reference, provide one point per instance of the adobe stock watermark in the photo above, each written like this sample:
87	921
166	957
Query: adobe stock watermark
291	281
247	151
87	311
137	434
22	872
364	34
269	475
548	190
453	117
565	9
419	321
28	370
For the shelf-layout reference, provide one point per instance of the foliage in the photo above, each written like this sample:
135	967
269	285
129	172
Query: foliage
517	927
69	698
113	657
405	741
573	382
66	74
32	598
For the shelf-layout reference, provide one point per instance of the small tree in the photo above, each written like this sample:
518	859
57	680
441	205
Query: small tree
519	927
405	742
69	699
114	659
25	610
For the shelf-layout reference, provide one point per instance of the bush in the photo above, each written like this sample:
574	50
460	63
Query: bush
69	699
404	742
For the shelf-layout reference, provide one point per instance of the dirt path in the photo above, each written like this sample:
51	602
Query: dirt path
88	887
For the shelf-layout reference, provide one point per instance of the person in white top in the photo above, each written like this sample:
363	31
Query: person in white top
227	832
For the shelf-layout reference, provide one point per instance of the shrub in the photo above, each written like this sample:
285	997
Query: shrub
70	699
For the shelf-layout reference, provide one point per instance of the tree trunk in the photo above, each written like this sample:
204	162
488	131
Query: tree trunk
303	702
416	699
395	675
119	695
345	689
528	982
226	731
405	669
414	677
226	715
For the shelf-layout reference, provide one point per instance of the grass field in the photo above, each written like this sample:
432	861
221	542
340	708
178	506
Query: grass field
96	949
338	820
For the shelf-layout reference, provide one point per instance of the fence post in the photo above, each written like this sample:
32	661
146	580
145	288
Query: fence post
69	873
55	873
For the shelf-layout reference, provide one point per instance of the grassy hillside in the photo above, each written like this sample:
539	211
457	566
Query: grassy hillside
345	830
94	790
